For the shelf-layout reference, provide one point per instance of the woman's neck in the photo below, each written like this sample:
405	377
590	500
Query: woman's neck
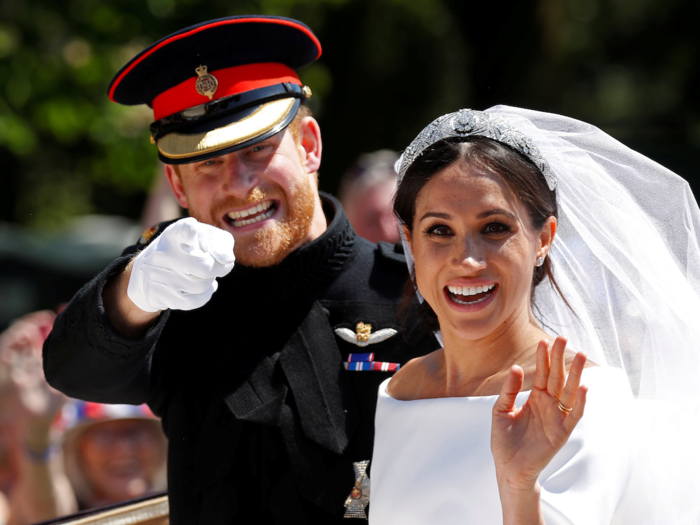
479	367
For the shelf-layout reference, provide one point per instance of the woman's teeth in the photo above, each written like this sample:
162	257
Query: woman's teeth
470	290
257	213
463	294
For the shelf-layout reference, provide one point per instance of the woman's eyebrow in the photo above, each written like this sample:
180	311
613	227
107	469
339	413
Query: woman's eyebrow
496	211
482	215
435	214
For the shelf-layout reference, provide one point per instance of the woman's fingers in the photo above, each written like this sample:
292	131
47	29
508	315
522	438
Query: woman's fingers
509	391
576	414
542	369
569	393
557	372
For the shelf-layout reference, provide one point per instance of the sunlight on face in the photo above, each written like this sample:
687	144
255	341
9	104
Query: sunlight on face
263	195
474	250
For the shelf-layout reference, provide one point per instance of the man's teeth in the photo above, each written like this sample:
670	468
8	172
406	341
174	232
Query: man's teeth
470	290
266	206
250	211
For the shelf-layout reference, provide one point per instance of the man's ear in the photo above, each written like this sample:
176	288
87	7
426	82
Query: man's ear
173	174
310	144
547	234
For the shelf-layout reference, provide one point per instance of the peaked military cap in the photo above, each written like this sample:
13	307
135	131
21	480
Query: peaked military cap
219	86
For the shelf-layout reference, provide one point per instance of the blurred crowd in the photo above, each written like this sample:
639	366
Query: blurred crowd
60	455
367	193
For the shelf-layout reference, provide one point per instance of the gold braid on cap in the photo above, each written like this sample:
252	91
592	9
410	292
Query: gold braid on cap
470	123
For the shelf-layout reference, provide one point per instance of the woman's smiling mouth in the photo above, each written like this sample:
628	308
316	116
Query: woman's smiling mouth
256	213
470	295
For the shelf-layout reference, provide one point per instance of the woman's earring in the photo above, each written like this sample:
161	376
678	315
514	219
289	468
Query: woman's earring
540	261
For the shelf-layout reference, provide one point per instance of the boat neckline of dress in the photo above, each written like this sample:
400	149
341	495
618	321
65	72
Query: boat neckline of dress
383	390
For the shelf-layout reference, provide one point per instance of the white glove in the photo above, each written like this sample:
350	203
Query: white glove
178	270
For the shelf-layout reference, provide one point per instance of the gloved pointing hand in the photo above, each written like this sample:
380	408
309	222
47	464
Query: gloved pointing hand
178	270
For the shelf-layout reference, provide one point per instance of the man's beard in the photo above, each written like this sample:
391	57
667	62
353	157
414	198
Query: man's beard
270	244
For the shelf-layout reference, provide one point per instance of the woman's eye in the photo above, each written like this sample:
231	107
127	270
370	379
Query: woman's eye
495	228
438	231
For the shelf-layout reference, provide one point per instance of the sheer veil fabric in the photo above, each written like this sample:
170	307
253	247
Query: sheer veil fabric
627	258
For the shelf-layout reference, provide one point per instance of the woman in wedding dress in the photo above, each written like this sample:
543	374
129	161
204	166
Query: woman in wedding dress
520	226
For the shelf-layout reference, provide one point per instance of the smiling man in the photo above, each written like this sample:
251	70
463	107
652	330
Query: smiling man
265	195
265	372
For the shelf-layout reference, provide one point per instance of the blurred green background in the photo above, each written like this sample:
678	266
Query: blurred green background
631	67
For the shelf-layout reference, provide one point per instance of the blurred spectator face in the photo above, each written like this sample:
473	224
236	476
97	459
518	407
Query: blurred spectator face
371	214
367	193
120	458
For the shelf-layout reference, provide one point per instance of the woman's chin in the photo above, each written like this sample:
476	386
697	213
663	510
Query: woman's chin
472	330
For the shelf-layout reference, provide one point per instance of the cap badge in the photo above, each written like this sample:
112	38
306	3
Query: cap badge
206	83
363	335
357	501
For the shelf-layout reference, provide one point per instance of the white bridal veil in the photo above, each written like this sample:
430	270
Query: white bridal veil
627	258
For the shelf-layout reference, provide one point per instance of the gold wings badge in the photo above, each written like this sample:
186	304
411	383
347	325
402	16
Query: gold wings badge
363	336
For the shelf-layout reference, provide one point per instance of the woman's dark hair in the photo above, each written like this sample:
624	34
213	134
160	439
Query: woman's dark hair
521	176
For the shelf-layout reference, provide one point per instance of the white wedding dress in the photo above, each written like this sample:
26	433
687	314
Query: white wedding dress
433	464
627	259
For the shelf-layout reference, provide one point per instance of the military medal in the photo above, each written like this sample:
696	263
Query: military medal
358	499
363	335
206	84
359	358
376	366
363	362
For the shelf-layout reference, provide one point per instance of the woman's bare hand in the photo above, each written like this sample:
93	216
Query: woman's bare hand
524	440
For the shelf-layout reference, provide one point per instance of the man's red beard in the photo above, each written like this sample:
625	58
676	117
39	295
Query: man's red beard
270	244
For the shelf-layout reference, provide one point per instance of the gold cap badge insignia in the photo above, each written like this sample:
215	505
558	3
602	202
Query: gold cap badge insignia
206	83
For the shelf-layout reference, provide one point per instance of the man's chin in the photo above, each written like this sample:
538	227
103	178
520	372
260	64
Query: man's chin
257	258
269	245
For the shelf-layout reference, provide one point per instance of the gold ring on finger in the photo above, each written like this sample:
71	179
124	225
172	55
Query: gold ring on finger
563	408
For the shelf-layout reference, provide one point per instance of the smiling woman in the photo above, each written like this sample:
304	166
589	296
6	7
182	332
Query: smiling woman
491	428
499	174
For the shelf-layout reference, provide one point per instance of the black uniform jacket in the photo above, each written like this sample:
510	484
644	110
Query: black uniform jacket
263	419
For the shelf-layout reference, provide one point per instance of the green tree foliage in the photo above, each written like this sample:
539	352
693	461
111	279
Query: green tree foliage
389	66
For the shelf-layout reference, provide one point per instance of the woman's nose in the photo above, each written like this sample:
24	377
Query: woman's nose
469	255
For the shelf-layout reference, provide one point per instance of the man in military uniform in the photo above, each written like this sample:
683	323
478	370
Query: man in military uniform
265	374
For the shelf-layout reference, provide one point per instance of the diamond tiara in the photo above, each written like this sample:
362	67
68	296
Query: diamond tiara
470	123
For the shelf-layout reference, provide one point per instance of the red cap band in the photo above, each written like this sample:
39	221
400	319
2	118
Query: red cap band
232	81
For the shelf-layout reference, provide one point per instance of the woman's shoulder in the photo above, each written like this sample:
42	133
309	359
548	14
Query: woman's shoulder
410	382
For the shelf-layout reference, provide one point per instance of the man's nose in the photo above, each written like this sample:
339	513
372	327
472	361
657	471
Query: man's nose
240	177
